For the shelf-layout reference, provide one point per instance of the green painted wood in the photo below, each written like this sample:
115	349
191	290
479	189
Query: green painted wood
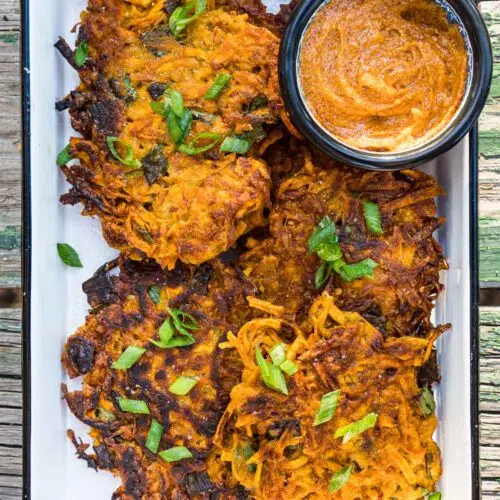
489	249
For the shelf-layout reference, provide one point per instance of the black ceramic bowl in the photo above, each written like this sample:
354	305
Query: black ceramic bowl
480	71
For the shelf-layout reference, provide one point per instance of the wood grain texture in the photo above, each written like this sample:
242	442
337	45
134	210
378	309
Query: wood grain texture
10	276
489	165
10	145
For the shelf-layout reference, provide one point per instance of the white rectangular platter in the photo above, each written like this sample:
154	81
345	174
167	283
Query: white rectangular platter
56	306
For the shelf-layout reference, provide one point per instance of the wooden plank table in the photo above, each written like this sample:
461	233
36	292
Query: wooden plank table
10	265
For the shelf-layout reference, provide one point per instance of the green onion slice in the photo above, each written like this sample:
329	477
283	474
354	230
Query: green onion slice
128	358
68	255
350	272
182	16
289	367
133	406
191	148
218	86
324	233
129	159
182	385
270	374
176	101
176	453
154	436
154	293
81	54
179	126
183	321
235	145
64	156
167	332
278	354
356	428
426	402
327	407
372	217
322	274
434	496
160	107
329	251
339	479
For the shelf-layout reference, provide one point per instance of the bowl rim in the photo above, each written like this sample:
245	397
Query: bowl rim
459	126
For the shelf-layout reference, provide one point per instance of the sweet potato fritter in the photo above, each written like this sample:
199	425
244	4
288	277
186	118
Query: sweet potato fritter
166	204
125	314
269	439
399	297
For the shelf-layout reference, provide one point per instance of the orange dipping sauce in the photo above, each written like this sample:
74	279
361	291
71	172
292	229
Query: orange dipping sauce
383	75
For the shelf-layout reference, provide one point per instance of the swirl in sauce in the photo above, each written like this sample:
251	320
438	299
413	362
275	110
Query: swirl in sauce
383	75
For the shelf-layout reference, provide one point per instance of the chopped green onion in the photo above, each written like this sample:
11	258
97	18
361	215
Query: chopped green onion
176	453
182	385
81	54
322	274
64	156
270	374
154	436
235	145
278	354
218	86
434	496
154	293
350	272
372	217
426	402
179	126
289	367
329	251
182	16
176	101
166	331
183	321
324	233
339	479
128	358
129	159
160	107
327	407
133	406
68	255
191	149
168	339
356	428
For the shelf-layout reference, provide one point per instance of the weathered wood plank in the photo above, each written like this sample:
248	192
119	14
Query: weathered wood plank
10	342
10	156
489	165
11	435
10	460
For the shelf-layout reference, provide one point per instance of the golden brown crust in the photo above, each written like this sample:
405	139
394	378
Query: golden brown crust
176	206
290	457
399	297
